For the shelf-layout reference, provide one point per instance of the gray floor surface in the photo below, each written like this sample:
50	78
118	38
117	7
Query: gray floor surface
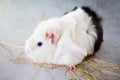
18	18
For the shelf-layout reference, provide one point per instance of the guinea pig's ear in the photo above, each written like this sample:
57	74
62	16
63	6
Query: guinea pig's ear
53	34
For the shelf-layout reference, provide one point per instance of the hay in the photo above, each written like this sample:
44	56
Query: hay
94	64
99	66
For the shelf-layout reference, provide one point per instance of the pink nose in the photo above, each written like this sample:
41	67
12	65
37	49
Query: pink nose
27	51
33	47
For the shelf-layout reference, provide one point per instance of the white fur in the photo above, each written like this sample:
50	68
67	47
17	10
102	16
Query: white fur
74	44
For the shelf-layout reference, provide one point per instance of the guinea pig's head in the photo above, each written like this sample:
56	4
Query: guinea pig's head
42	44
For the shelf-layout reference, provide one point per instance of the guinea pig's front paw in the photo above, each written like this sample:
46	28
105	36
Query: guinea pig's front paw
70	67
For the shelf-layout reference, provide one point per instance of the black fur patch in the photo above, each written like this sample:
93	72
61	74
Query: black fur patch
99	30
97	22
71	10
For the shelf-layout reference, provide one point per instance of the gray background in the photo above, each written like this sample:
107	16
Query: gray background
18	18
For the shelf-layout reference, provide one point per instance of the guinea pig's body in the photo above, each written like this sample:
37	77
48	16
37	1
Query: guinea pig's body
66	40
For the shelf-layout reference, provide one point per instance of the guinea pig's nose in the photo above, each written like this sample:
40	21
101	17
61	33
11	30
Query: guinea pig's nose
27	51
33	47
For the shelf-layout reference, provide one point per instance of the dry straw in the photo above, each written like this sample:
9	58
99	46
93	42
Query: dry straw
85	68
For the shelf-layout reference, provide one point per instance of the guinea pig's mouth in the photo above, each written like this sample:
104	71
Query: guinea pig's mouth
27	51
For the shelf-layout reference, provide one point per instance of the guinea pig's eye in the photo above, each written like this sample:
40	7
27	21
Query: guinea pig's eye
39	44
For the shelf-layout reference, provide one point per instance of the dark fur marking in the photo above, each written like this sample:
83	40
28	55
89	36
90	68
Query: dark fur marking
71	10
99	30
97	22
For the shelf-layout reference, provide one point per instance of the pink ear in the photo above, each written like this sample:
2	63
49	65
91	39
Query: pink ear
53	34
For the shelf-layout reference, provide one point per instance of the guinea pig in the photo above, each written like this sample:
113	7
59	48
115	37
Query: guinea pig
66	40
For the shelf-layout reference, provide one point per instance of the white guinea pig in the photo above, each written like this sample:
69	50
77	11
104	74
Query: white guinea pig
66	40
